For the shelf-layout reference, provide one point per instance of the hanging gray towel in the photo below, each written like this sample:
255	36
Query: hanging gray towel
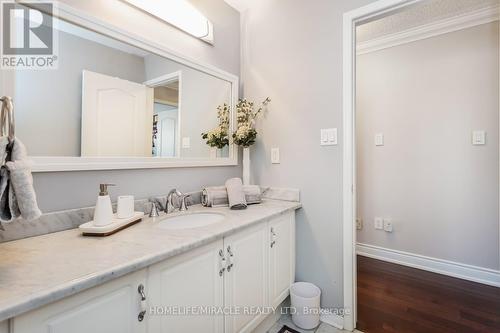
9	209
17	196
21	180
235	194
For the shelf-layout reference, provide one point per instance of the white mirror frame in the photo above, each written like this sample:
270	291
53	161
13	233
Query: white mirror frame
70	163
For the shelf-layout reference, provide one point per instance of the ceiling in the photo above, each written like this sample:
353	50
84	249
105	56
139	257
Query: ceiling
422	13
239	5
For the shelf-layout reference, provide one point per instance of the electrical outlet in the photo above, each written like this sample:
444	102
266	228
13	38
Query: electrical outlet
478	138
359	224
388	225
379	223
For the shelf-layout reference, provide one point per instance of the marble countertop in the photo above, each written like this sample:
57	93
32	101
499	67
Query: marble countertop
39	270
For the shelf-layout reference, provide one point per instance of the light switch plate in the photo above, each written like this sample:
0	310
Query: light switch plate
478	138
379	139
275	155
186	142
328	137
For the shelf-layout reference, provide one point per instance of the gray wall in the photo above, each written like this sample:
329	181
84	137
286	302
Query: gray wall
65	190
49	102
293	53
441	191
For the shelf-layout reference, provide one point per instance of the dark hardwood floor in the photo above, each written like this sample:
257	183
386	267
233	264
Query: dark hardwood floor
399	299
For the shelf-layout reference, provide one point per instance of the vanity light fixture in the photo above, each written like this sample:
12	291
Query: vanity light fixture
179	13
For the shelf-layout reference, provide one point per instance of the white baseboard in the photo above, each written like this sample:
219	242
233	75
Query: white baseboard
462	271
333	320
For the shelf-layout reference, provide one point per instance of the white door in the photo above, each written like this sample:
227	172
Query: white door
282	257
111	308
189	282
117	117
166	135
246	278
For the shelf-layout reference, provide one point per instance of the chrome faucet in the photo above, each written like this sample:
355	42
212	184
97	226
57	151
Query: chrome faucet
170	206
156	206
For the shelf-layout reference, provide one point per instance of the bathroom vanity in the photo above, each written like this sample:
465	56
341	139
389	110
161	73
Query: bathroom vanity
146	277
130	103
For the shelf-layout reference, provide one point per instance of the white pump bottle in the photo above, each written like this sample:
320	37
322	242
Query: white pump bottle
103	214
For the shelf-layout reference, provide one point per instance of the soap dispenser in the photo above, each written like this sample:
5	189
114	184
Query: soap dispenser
103	214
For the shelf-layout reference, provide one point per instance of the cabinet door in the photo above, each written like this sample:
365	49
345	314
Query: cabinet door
4	326
189	282
109	308
246	278
282	257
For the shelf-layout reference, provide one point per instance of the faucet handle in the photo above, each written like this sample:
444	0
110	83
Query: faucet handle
155	207
183	203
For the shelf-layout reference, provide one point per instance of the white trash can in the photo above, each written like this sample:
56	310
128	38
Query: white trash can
305	304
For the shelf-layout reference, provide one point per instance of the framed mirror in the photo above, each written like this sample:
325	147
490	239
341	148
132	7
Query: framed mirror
116	101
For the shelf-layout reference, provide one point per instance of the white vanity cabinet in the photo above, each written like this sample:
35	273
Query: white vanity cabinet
281	257
242	274
246	278
224	286
191	281
113	307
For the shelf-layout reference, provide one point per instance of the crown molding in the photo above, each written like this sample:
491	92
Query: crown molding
464	21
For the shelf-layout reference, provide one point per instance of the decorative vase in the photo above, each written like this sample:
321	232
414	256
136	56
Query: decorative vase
219	152
246	166
223	152
213	153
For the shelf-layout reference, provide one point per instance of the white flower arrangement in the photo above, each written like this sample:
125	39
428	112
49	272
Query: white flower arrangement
245	133
219	136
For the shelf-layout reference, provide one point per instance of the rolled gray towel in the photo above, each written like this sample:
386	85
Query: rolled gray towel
216	196
235	194
253	194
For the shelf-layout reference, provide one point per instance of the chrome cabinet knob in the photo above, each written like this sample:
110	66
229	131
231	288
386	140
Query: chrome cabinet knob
141	292
273	237
230	258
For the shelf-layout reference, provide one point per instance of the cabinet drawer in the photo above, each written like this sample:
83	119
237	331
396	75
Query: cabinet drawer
109	308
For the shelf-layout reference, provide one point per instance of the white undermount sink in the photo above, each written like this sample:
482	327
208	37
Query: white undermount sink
190	220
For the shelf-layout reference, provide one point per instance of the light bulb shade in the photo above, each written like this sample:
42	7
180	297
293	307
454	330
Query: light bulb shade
179	13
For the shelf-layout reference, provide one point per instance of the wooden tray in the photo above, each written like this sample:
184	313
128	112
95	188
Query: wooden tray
89	229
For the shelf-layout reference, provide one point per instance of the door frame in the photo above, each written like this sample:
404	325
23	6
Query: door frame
160	81
351	19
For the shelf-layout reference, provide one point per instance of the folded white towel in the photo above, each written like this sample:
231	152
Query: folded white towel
235	194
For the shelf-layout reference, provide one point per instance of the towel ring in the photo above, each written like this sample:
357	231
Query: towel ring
7	113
